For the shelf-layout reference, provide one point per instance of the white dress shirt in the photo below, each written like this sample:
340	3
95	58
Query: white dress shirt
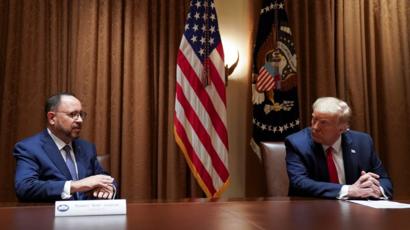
337	154
66	193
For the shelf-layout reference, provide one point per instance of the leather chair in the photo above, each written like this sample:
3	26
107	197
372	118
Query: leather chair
104	160
273	157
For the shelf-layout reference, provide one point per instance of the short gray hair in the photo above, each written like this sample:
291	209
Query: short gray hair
333	105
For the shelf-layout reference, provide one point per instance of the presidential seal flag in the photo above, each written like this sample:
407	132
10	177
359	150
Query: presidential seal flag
200	126
274	79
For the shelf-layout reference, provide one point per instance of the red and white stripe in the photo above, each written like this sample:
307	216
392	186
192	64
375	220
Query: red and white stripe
265	81
200	118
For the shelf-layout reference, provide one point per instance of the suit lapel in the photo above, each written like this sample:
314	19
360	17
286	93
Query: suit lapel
321	162
54	154
351	163
79	159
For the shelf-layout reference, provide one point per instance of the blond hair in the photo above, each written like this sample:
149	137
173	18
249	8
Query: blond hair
332	105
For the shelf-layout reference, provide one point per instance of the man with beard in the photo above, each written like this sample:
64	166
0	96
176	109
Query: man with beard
330	161
55	164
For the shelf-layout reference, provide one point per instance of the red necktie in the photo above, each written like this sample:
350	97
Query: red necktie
331	168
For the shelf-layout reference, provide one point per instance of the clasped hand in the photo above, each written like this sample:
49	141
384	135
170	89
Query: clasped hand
100	186
366	186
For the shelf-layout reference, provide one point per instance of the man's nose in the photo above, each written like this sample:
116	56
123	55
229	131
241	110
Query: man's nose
79	119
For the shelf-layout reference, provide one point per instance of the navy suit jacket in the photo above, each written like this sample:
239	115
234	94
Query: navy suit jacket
41	170
307	168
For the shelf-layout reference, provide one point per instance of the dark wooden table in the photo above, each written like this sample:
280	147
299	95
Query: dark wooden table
257	214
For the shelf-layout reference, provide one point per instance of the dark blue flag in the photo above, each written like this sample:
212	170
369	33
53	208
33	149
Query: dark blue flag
274	78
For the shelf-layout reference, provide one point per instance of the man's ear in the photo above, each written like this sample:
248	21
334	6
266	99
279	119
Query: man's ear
51	117
344	127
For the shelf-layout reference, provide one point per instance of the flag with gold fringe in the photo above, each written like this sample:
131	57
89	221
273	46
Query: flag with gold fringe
200	126
274	78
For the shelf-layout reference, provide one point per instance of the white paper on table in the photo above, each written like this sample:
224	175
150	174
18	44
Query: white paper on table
380	203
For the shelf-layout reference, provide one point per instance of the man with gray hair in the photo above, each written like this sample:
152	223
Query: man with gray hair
330	161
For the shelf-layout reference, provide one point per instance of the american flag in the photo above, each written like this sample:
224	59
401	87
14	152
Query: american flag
200	103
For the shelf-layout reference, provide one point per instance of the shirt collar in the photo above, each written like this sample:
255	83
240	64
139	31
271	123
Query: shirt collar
336	146
60	144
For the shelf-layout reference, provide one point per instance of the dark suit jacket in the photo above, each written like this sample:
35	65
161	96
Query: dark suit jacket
307	168
41	170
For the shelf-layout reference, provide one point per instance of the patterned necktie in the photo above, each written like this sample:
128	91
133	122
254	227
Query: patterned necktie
333	178
70	163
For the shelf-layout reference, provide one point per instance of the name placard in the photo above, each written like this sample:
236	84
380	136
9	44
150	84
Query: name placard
90	207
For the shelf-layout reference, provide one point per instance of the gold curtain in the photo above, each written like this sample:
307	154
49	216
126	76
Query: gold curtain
359	50
118	57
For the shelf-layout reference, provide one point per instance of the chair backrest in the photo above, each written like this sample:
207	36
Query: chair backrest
104	161
273	156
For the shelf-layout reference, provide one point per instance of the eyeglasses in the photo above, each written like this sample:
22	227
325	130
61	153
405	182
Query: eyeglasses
75	115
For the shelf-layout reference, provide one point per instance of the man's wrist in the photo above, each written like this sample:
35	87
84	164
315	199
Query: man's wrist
344	193
66	194
383	195
75	186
